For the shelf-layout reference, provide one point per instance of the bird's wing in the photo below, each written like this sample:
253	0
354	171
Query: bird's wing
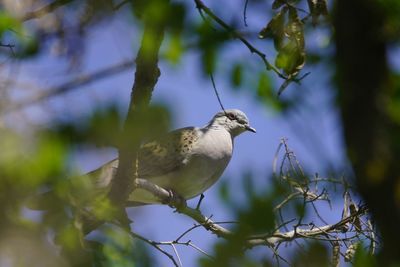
103	175
156	158
167	154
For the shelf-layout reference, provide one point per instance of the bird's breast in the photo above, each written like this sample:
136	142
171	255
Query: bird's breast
215	144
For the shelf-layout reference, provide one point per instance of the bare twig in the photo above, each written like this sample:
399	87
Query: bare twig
9	46
245	12
216	92
176	253
202	7
75	83
155	245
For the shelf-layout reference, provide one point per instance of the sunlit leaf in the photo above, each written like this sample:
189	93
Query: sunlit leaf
294	30
290	58
7	23
14	33
175	49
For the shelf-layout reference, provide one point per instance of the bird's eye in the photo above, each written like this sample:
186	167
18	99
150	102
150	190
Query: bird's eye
231	116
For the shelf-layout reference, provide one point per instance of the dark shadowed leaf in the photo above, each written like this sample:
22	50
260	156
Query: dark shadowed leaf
236	75
275	29
277	4
314	255
266	94
317	8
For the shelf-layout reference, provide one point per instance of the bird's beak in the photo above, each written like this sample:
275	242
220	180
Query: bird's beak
251	129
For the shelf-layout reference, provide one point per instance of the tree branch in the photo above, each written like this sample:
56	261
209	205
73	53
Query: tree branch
267	239
146	76
38	13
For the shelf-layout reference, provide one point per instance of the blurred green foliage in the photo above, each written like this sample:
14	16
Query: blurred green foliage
38	164
315	255
31	166
14	33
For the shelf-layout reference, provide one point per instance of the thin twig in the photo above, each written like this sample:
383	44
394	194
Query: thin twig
216	92
177	254
75	83
155	245
9	46
201	7
274	162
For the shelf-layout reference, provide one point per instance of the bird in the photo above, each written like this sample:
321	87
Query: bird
186	161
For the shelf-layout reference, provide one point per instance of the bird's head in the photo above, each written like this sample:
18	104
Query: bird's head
233	120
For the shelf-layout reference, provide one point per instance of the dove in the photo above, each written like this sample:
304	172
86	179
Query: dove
186	161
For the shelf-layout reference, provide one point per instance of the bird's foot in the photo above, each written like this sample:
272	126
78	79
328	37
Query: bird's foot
175	200
200	200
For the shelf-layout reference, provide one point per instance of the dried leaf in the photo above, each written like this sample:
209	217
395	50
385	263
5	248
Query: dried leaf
335	254
317	8
350	252
347	200
371	234
356	221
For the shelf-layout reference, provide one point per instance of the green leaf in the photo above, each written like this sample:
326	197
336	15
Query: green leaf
277	4
29	46
363	259
175	48
314	255
266	94
209	42
237	75
7	23
208	61
225	192
291	58
295	30
275	29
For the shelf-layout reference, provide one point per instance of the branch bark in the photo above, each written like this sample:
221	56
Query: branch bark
40	12
267	239
146	76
